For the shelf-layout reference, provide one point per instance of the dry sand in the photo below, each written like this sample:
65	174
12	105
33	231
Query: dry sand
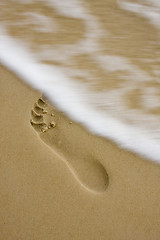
63	183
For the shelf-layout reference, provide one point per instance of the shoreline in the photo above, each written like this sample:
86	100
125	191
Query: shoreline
40	195
102	74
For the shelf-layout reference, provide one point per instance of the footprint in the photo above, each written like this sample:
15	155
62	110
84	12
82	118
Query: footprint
68	140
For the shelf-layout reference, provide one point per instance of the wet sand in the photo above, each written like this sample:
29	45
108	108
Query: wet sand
44	191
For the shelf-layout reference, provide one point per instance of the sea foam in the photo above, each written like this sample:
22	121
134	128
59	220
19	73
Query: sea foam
101	112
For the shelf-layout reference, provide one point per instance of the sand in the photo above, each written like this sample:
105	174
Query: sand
58	181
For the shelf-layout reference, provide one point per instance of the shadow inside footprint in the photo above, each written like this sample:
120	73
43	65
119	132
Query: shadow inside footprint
55	131
92	174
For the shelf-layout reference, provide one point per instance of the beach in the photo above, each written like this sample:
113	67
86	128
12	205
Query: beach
80	133
42	199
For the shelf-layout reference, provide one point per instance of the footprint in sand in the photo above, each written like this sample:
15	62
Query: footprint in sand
67	139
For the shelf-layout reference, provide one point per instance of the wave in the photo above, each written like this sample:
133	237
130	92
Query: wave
95	68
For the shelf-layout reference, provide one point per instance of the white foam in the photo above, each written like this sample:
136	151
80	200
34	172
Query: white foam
73	99
42	23
102	112
152	12
71	8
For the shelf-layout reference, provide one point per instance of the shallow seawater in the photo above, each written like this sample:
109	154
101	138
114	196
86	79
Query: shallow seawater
98	61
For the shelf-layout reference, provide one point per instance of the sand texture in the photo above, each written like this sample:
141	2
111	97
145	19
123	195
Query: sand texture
57	181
